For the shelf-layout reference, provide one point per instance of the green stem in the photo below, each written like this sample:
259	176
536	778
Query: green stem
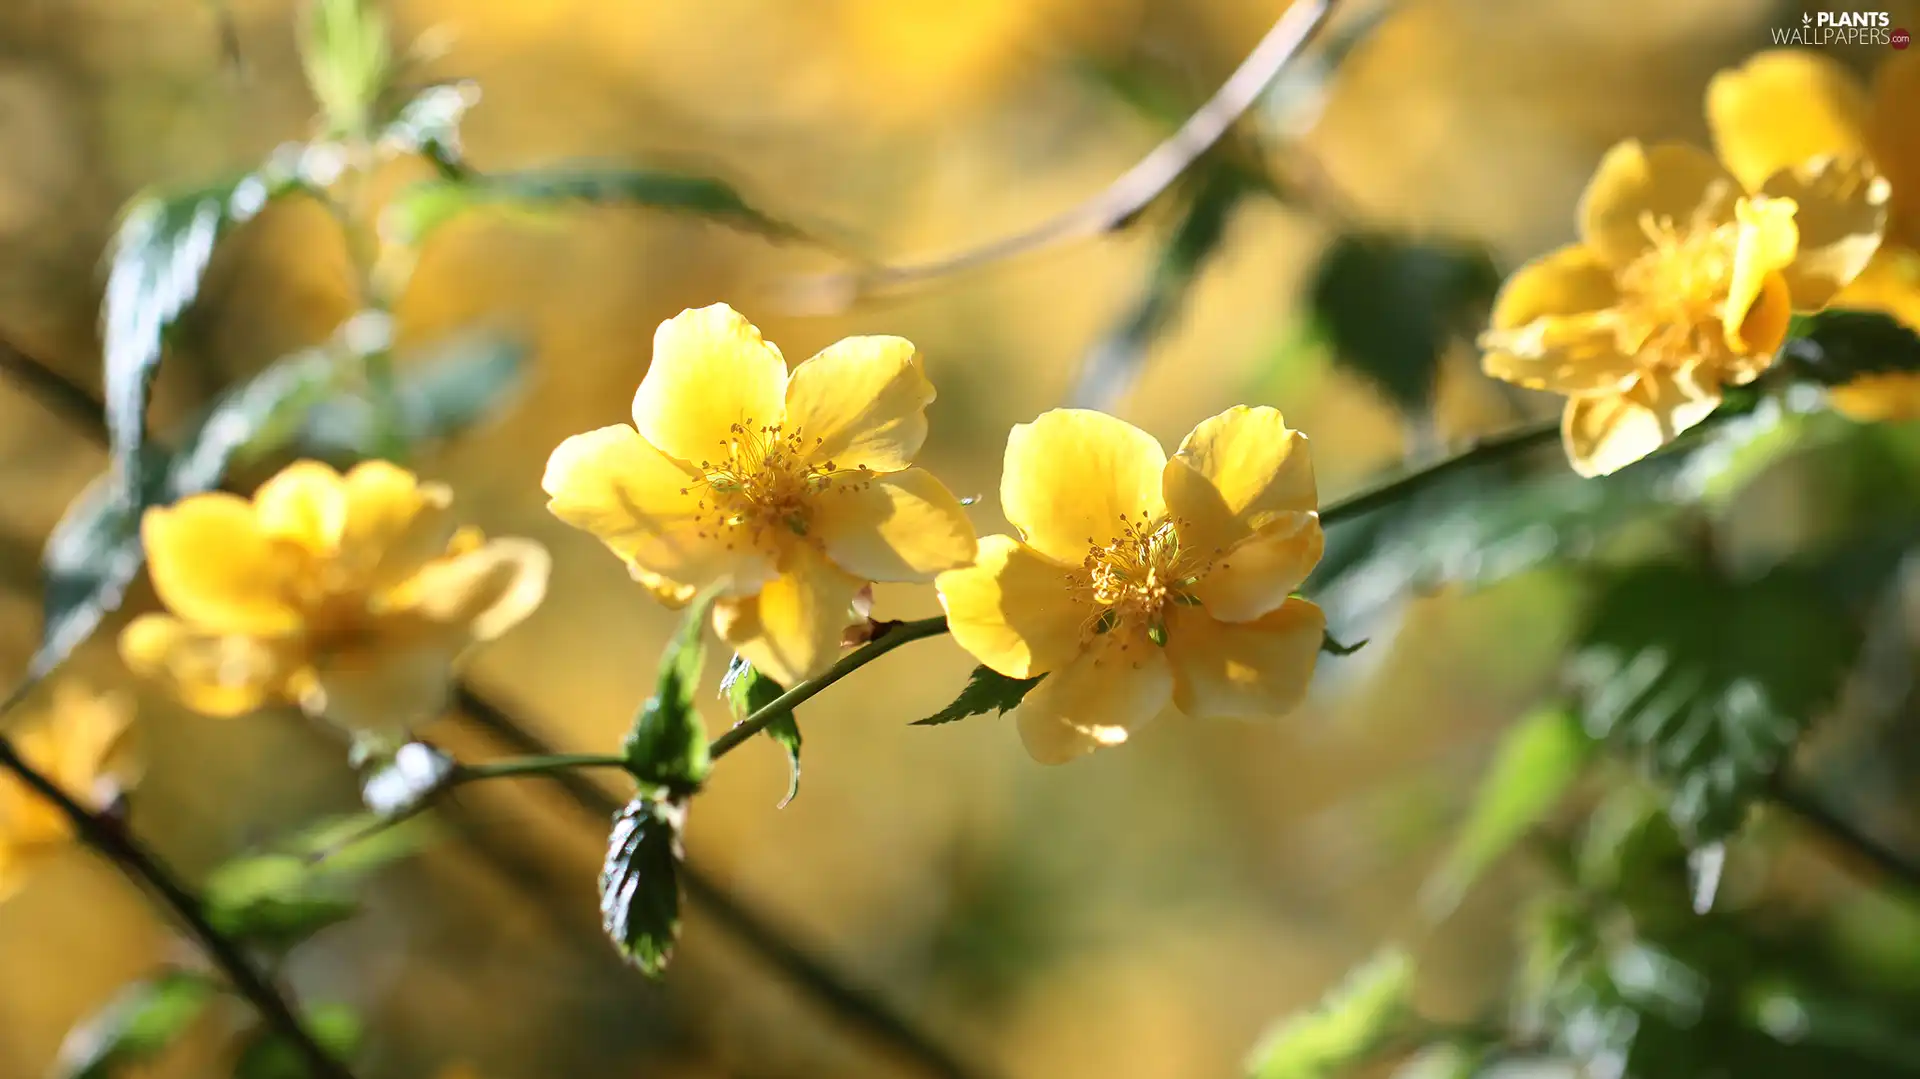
534	766
1481	451
897	634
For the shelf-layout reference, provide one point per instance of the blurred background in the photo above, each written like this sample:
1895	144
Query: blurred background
1142	913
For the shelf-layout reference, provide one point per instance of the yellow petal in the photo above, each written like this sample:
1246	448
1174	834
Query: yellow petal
218	675
1894	139
1767	243
1013	610
490	590
1636	185
1259	573
1890	283
1111	690
900	526
1239	472
89	733
1893	397
306	505
1074	478
711	370
1840	213
861	402
386	689
791	630
644	507
670	593
1784	107
1760	334
214	567
1258	668
1554	326
1605	434
395	524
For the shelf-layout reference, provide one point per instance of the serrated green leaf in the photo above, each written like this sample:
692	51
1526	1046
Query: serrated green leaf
1710	683
417	212
1836	346
640	883
159	256
141	1022
987	690
1350	1024
667	746
747	691
265	1055
1538	758
1391	305
437	396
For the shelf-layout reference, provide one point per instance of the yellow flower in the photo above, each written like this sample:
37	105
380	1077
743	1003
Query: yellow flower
1785	108
792	488
1140	580
351	596
76	743
1682	283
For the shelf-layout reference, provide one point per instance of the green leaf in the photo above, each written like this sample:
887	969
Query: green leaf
1537	760
668	744
747	691
266	1055
163	248
253	419
141	1022
416	213
1710	682
640	883
1390	306
1835	347
91	557
444	392
348	58
987	690
1350	1024
429	125
274	900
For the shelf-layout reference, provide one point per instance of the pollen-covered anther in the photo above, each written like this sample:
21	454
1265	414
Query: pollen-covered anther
1136	577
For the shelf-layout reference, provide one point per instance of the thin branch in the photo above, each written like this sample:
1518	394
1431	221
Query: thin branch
1121	200
1482	451
115	842
1863	849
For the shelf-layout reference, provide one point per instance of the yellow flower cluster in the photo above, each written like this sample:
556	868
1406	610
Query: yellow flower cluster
1688	270
77	744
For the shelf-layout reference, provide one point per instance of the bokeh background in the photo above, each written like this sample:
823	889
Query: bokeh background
1143	913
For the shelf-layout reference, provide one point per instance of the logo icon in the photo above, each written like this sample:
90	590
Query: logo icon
1899	38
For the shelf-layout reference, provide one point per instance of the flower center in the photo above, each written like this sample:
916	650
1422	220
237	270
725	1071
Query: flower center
764	483
1135	578
1675	291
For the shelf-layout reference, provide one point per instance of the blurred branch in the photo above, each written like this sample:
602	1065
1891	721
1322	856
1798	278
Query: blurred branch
1121	200
1480	451
109	837
1860	848
857	1007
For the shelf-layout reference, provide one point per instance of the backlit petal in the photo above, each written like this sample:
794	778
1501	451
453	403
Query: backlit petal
1097	700
1784	107
1840	215
1012	609
306	505
861	402
1554	326
1893	397
1605	434
644	506
791	630
489	590
710	371
1768	240
212	565
395	524
1257	575
218	675
1258	668
1237	473
1074	478
900	526
1636	184
1890	283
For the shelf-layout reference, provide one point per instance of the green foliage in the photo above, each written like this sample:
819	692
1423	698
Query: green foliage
447	390
279	898
420	210
91	557
747	691
1390	306
1539	757
348	60
141	1022
429	125
1834	347
265	1055
640	883
987	690
1709	681
667	747
159	256
1350	1024
251	420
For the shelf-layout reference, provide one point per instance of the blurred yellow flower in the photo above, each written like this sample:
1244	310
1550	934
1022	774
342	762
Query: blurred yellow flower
77	744
1682	283
1140	580
792	488
351	596
1785	108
